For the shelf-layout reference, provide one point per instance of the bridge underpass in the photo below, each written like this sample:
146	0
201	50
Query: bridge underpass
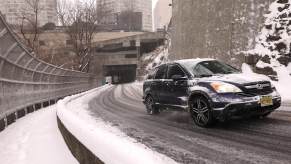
121	73
120	58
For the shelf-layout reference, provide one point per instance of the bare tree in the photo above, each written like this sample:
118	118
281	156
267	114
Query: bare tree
81	21
29	23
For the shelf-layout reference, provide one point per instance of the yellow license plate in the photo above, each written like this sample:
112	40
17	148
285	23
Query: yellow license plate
266	100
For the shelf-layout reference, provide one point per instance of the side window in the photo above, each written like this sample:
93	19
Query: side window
201	70
151	74
161	73
175	70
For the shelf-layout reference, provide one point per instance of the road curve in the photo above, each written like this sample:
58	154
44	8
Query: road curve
173	134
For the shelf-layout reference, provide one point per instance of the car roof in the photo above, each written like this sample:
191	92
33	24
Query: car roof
182	62
195	60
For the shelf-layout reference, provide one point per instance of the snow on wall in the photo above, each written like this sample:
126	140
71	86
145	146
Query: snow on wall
273	43
157	57
216	28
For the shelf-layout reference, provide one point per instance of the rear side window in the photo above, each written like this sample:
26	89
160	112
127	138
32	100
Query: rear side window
175	70
161	72
151	75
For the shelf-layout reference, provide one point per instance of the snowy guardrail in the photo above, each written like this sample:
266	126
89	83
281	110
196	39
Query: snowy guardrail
92	140
27	84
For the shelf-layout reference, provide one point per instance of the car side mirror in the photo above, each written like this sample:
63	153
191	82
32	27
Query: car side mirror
179	77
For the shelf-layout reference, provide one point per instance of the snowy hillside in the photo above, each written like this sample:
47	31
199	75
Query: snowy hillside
157	57
273	44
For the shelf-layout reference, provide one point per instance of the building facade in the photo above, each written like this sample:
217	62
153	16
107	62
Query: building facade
139	7
15	9
220	29
162	14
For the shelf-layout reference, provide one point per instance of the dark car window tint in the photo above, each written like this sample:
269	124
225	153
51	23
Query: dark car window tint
161	73
201	70
213	67
175	70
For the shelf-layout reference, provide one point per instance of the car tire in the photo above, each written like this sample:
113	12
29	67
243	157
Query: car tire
150	106
201	112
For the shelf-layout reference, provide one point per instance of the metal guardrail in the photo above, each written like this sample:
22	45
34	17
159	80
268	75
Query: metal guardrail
27	83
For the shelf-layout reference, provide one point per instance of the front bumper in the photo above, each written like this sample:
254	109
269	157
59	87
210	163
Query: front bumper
237	106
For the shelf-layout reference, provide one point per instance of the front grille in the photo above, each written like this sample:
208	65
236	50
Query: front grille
256	89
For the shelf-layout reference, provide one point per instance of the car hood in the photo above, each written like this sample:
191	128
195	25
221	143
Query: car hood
238	78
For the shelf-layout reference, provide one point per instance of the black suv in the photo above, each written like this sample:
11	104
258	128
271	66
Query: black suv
209	90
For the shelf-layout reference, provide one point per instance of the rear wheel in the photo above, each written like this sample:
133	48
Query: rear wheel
201	112
150	106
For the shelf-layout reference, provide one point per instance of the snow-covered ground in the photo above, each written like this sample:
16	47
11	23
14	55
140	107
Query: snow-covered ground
107	142
35	139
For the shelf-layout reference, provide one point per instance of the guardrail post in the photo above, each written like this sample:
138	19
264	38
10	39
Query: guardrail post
2	124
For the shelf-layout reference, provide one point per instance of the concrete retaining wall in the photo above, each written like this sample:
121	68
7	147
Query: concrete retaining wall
216	28
79	151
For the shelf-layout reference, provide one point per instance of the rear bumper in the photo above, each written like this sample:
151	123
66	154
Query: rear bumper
241	107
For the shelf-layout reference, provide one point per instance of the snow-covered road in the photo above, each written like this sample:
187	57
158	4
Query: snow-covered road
103	139
35	139
171	133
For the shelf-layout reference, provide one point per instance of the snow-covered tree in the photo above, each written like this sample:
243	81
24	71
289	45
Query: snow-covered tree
273	47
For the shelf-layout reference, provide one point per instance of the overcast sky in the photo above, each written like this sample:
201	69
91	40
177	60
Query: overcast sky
154	3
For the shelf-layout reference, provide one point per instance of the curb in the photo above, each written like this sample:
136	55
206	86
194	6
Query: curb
79	151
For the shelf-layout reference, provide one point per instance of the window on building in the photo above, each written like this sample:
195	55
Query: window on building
41	43
131	56
69	42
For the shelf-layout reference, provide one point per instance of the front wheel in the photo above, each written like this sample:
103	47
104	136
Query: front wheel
150	106
201	112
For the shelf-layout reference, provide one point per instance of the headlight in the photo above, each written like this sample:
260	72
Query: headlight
222	87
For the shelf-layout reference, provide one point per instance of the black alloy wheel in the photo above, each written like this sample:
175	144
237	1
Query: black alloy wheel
150	106
201	112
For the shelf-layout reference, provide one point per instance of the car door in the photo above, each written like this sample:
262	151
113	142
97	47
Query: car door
159	85
176	90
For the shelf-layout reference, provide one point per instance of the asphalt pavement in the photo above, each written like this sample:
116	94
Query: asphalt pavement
173	133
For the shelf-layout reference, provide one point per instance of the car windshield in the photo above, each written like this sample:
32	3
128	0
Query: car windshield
210	68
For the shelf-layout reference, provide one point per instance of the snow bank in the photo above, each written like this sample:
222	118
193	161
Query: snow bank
108	143
283	84
35	139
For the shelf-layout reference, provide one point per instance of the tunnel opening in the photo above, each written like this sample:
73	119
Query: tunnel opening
120	73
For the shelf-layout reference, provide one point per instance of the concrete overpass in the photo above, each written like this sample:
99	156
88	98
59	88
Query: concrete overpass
119	57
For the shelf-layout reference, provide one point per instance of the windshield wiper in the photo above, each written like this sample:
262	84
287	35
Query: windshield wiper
204	75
